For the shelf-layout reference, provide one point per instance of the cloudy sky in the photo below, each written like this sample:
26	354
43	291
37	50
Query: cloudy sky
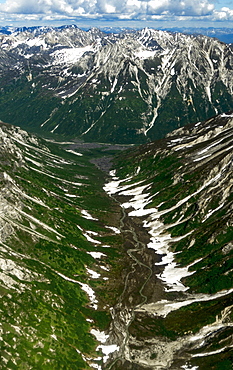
128	13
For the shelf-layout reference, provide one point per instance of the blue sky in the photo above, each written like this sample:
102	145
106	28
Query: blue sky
127	13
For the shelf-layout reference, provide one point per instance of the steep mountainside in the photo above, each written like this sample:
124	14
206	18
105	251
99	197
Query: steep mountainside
129	87
181	315
59	255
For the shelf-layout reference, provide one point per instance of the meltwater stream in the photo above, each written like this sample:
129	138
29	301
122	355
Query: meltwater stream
123	316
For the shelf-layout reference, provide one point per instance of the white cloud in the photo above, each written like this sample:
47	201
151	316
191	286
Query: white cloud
127	7
115	9
224	14
180	7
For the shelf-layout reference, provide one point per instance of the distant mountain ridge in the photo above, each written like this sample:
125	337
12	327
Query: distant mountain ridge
223	34
131	87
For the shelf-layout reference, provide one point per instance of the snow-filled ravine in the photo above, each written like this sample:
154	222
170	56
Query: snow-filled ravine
160	238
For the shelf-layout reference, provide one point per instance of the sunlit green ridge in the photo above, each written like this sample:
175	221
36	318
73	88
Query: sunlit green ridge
57	249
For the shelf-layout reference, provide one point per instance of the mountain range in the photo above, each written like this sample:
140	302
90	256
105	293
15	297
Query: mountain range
224	34
130	87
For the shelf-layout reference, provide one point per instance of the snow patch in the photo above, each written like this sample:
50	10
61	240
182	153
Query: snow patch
173	72
70	55
164	307
100	335
87	215
96	255
116	231
73	152
52	131
145	54
94	274
90	239
91	294
107	350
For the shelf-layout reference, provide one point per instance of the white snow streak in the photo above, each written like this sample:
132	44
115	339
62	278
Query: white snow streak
91	239
116	231
97	255
73	152
94	274
87	215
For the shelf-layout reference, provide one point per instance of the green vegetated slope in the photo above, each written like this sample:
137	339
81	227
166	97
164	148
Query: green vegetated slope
25	103
59	260
189	177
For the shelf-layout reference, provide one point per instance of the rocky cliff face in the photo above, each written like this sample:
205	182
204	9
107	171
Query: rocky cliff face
127	87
